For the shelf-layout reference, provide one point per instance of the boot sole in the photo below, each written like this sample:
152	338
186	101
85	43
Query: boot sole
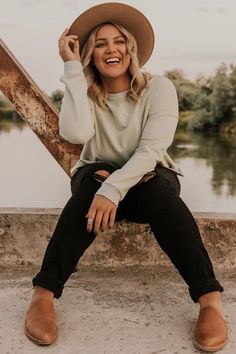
210	349
39	342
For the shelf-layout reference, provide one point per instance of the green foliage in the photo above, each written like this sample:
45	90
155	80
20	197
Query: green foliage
212	99
216	103
185	119
5	104
1	103
222	95
186	90
56	98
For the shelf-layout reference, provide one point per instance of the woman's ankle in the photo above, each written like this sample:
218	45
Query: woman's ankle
212	299
208	299
42	292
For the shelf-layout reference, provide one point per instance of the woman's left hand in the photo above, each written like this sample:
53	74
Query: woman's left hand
102	212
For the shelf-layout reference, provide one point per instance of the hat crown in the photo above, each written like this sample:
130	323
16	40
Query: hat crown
121	14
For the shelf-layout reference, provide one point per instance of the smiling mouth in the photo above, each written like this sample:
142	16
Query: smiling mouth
112	61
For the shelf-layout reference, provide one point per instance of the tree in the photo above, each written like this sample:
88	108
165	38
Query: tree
216	103
232	79
2	104
186	90
222	95
56	98
3	101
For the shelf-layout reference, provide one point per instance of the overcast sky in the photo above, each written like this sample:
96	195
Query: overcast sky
195	35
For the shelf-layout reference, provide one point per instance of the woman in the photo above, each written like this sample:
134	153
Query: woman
126	119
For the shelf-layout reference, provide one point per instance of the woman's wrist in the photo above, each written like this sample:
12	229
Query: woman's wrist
72	66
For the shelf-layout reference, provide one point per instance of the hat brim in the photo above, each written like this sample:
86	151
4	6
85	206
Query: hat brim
125	15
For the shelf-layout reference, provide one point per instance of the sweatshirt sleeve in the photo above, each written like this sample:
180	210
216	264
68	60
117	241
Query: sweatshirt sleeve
76	118
157	136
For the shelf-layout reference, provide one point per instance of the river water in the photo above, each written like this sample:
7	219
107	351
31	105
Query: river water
30	177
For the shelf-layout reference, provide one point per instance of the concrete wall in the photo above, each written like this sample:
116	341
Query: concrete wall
24	234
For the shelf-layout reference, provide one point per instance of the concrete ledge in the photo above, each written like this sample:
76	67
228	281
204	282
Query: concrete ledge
24	234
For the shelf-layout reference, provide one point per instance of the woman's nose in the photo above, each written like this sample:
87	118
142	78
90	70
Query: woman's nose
111	48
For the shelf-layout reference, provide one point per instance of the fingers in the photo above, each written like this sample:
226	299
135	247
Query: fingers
112	218
94	221
77	49
90	221
65	38
104	222
101	214
99	221
68	39
69	48
64	33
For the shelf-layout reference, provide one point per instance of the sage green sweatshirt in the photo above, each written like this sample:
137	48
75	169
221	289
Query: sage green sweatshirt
132	136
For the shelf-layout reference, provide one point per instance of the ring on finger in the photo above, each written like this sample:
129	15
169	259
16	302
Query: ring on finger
90	221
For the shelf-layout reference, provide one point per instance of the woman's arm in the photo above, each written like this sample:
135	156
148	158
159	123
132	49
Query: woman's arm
156	137
76	118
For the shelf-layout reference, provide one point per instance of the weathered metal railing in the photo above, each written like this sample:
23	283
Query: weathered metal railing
35	108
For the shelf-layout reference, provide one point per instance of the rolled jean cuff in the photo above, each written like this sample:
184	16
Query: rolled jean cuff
46	281
204	287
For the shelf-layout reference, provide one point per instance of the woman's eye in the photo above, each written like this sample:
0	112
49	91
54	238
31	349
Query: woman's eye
100	45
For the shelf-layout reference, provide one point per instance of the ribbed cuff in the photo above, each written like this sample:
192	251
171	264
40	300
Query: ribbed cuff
204	287
47	281
72	66
110	192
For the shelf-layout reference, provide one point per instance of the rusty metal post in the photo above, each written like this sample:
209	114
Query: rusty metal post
35	108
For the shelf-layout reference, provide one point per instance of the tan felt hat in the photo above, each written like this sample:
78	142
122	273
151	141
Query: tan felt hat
125	15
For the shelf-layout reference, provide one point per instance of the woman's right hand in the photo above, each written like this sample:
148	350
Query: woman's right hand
65	50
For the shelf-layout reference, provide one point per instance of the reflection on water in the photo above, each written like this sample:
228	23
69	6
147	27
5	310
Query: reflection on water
219	153
30	177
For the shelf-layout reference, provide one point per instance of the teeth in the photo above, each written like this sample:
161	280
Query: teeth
113	60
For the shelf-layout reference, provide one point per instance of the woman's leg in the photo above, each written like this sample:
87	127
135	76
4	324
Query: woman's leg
157	202
68	243
70	238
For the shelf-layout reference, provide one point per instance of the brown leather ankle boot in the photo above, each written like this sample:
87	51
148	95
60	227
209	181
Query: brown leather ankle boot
40	322
211	330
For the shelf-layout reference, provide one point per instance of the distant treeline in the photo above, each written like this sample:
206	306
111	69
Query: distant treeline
208	103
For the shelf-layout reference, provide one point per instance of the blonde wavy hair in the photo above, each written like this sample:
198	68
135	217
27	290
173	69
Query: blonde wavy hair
96	90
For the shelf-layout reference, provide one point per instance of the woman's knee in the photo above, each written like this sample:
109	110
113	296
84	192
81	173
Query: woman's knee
98	171
156	188
101	175
152	198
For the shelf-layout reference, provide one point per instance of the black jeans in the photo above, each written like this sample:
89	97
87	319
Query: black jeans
155	202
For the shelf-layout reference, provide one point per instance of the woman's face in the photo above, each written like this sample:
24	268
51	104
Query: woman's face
110	55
